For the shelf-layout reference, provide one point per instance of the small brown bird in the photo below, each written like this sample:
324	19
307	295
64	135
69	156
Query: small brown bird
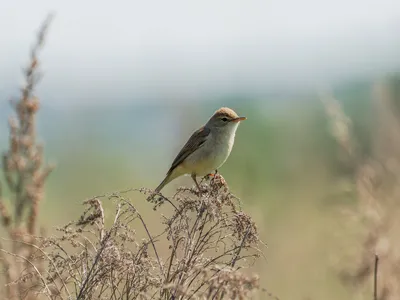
207	149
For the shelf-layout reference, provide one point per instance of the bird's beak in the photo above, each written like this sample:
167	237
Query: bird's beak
239	119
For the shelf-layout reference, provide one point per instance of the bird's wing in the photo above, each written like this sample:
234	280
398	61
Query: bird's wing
195	141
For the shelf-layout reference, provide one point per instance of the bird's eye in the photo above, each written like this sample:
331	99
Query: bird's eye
224	119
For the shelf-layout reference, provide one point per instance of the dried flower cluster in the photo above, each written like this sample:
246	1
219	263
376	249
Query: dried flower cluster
206	239
339	124
25	175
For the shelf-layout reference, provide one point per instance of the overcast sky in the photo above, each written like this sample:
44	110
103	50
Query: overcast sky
185	49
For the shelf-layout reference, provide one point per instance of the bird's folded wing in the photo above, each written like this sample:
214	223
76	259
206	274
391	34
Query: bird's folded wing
195	142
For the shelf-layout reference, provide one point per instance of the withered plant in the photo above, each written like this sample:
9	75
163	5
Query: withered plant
377	181
24	175
204	242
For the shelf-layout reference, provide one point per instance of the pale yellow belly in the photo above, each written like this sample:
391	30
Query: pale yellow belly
202	167
205	163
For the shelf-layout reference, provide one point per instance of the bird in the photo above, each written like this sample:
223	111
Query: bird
207	149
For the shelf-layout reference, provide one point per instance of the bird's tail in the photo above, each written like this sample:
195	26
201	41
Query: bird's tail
166	180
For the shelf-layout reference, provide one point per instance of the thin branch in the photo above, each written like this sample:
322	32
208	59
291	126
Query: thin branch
240	247
376	277
34	267
45	254
148	234
88	276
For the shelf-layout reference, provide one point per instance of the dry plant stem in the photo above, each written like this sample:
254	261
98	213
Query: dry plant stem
237	255
240	248
34	268
376	277
25	174
45	254
82	291
103	240
149	235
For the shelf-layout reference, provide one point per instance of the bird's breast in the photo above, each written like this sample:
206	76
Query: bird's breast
213	153
222	147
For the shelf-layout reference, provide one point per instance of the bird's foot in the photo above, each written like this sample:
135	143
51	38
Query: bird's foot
208	176
213	174
218	180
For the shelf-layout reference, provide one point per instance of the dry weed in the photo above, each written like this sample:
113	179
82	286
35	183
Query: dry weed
209	239
377	179
25	175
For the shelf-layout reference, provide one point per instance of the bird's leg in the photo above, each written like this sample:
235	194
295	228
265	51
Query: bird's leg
195	181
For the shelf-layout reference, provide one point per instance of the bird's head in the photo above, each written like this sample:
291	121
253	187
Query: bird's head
224	118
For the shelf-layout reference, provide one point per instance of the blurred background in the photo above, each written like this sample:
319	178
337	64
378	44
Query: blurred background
316	163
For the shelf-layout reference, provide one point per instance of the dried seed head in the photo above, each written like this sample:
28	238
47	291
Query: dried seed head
32	105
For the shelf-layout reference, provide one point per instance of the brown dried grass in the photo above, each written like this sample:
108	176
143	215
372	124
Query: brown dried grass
377	180
25	174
